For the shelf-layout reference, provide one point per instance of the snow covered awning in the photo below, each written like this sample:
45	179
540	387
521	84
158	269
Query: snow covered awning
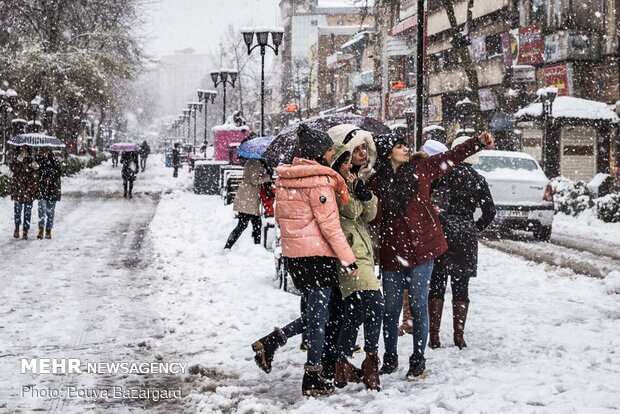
570	107
357	43
337	59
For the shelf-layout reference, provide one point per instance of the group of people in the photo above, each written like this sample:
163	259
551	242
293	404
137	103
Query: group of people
34	177
350	201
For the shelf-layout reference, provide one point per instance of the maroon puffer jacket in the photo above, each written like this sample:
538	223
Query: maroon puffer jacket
414	238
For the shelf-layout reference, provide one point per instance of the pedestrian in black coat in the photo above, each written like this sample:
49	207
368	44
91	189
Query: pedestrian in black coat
49	191
176	160
130	167
467	190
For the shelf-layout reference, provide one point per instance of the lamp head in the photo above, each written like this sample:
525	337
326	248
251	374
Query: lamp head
276	37
201	93
248	37
214	77
552	93
212	94
262	37
233	76
223	75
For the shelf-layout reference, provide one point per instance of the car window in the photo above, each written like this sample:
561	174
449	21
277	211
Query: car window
511	163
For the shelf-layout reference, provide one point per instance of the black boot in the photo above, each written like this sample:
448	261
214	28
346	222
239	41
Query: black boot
313	383
417	366
390	363
266	347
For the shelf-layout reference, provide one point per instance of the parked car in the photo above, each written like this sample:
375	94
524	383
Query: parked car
521	191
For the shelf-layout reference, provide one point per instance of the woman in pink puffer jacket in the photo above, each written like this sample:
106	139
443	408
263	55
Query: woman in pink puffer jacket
314	248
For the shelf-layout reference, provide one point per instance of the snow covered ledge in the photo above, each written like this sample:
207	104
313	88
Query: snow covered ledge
570	107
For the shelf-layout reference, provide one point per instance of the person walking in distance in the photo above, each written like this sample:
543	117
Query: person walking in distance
129	170
24	188
49	191
176	160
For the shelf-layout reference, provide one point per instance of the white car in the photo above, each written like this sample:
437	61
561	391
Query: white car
521	191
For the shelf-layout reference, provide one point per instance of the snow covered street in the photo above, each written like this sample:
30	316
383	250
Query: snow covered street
145	280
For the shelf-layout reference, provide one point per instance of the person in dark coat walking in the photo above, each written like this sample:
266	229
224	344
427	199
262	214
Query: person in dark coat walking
466	191
114	155
49	191
411	237
176	160
129	170
24	188
145	150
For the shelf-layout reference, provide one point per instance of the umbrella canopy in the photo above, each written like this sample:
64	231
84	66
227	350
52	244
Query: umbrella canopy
36	140
124	147
254	148
283	146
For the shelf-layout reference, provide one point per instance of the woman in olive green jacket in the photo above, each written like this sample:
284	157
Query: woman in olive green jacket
362	292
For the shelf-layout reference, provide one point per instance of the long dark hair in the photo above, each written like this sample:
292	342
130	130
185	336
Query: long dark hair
396	188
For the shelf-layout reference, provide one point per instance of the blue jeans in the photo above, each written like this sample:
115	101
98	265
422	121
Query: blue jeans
313	321
361	307
46	210
27	208
417	280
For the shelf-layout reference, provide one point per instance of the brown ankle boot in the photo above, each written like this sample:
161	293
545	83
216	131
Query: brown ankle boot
40	233
16	232
435	309
459	316
48	233
407	325
345	373
370	366
25	235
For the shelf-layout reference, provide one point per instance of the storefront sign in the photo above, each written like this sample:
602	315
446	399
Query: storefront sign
506	48
560	76
487	99
434	109
523	74
398	104
478	48
527	45
369	104
564	45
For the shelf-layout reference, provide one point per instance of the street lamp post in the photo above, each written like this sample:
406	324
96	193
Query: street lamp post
548	151
204	95
187	115
6	100
224	76
194	107
262	40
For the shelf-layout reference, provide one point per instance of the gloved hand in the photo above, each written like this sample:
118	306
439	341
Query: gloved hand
362	192
351	269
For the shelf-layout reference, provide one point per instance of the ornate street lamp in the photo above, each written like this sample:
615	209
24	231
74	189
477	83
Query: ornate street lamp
224	76
7	101
262	40
194	107
548	152
206	95
187	115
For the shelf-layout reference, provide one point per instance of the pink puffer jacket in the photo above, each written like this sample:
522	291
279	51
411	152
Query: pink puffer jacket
307	212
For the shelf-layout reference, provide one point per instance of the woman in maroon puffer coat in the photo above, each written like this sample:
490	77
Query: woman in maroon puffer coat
411	236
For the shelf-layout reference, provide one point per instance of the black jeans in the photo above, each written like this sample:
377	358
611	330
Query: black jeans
365	307
459	280
244	219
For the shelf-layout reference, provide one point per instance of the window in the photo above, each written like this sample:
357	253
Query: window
538	11
494	45
511	163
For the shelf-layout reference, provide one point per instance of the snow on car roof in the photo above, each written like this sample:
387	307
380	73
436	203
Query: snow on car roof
501	153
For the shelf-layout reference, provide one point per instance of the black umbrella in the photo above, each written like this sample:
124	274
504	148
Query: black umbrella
283	146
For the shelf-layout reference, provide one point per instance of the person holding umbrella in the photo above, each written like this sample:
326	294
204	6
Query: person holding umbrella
314	248
24	188
129	169
49	191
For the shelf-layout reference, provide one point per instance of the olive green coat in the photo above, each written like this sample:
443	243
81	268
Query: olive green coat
353	219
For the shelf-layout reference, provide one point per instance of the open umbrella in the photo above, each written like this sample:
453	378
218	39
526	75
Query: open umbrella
254	148
283	146
36	140
124	147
